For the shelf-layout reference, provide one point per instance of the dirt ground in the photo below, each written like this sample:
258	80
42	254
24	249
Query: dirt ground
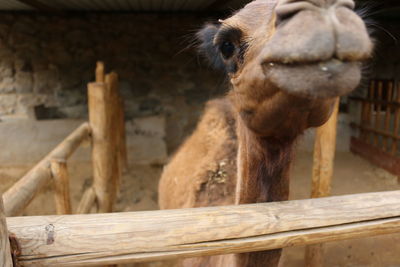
352	175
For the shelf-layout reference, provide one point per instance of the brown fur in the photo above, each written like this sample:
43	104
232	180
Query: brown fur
241	150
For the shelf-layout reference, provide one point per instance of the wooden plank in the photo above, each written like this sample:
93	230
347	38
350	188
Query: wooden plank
60	176
376	131
87	201
378	107
5	250
392	104
23	191
38	5
370	109
376	156
364	119
104	152
123	152
100	75
388	113
85	240
396	121
324	156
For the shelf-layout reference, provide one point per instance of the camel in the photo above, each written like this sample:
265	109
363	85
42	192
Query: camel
287	61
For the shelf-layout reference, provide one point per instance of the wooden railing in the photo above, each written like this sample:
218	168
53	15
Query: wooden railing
379	137
106	132
118	238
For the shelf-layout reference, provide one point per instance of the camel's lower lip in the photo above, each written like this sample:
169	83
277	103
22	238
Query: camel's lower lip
323	79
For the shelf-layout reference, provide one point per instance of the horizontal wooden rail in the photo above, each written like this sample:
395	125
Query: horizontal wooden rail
117	238
393	104
20	195
375	131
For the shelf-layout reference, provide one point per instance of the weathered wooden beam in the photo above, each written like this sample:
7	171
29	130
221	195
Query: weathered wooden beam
104	123
5	250
87	201
324	156
38	5
95	239
60	176
23	191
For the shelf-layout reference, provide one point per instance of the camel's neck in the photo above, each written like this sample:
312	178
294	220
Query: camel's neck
263	176
263	167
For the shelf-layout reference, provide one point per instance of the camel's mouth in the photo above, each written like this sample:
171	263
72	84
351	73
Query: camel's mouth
318	79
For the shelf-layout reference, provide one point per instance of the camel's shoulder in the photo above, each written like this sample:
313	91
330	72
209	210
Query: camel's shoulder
218	115
202	172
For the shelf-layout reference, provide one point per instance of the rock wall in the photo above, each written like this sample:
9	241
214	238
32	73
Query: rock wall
46	62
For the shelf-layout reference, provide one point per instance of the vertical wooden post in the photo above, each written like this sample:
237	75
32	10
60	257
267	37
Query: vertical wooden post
5	251
59	172
102	110
371	95
324	155
388	114
123	154
378	125
100	76
396	120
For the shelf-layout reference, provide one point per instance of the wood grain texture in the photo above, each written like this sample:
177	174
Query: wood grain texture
60	176
21	194
324	156
87	201
396	125
100	74
104	143
85	240
5	251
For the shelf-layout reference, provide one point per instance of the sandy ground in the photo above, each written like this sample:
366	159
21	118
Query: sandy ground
352	175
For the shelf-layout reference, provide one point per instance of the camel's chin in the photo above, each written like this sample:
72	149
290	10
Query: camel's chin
315	80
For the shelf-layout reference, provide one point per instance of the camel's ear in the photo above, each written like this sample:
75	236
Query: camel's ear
207	47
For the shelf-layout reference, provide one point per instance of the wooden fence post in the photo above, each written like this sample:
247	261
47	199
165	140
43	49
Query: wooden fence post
59	173
5	251
123	154
324	155
87	201
102	117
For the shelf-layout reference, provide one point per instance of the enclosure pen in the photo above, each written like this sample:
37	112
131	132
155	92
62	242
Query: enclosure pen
106	132
118	238
379	128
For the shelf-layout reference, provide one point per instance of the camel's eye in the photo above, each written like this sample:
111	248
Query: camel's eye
227	49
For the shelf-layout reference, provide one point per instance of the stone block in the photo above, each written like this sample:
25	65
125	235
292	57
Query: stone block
46	81
6	67
23	82
7	85
8	104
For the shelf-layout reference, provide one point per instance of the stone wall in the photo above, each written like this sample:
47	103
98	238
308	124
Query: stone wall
46	62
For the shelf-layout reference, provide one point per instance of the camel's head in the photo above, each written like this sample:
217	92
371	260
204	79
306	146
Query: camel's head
306	48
